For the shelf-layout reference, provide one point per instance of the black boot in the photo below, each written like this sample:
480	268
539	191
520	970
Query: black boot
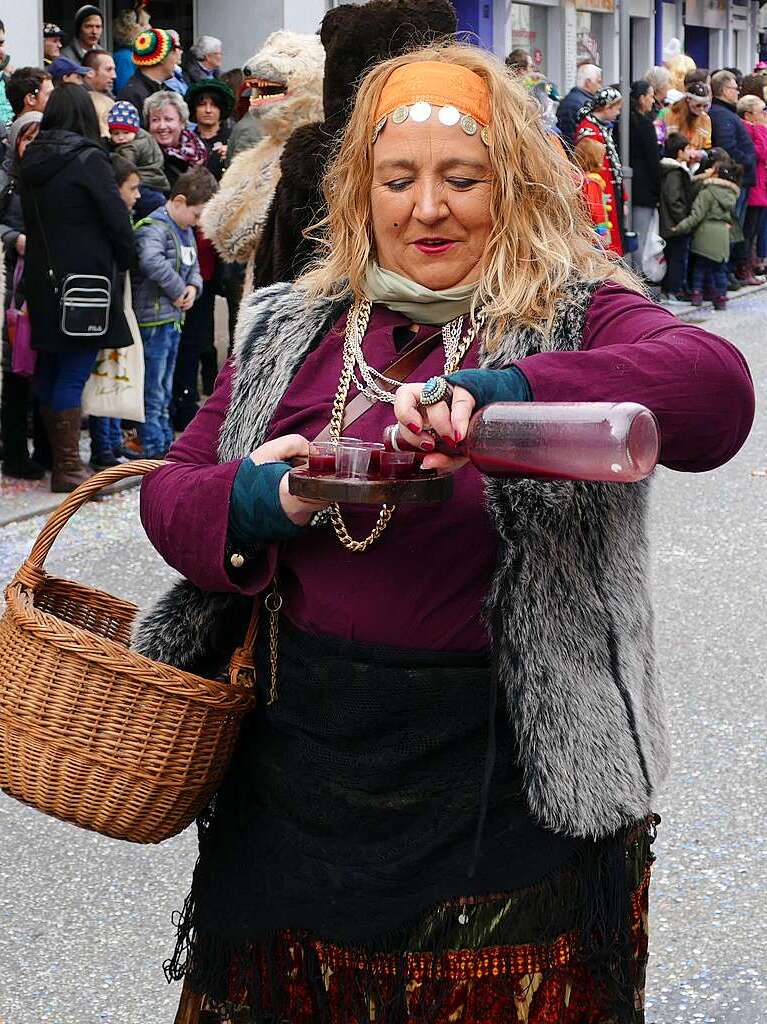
15	405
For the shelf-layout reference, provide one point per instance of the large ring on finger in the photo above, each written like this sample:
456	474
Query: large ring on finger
436	389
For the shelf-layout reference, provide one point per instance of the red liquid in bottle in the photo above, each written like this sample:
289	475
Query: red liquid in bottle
616	442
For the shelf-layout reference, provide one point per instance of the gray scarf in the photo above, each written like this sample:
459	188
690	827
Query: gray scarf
420	304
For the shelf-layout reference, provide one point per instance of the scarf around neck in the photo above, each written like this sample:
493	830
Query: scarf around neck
420	304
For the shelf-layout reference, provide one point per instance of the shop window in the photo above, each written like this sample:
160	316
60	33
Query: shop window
589	38
528	32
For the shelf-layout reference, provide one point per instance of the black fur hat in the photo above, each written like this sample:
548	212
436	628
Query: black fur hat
355	38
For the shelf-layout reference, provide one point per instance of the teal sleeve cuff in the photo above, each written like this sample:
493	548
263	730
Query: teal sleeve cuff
255	513
486	386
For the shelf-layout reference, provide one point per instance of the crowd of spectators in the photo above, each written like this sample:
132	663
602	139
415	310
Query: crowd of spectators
108	161
109	158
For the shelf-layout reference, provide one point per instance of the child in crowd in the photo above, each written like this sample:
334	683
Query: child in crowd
165	286
106	432
589	156
713	225
134	143
677	192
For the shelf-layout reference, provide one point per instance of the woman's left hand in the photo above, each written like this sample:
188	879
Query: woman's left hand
449	422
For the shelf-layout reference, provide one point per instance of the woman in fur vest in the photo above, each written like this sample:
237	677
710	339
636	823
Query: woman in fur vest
443	807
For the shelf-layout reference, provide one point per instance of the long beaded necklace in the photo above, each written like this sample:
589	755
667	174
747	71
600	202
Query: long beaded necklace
456	348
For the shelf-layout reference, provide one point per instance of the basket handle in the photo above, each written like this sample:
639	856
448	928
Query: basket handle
31	571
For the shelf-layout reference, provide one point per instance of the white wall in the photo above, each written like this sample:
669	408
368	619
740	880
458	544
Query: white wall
23	31
242	27
304	15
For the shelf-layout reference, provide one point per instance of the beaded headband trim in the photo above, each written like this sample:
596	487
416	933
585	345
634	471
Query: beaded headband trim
415	90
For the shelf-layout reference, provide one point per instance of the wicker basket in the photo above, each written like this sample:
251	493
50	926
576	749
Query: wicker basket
91	732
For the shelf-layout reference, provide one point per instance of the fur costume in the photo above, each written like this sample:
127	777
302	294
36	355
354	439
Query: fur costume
354	38
234	218
569	606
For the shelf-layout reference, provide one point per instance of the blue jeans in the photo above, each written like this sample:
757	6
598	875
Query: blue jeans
106	434
707	273
160	351
61	377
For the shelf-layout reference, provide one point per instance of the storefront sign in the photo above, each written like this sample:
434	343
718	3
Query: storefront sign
706	13
597	6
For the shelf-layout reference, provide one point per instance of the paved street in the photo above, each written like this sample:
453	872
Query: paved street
85	922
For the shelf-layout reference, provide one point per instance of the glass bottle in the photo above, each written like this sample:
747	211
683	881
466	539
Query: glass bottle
618	442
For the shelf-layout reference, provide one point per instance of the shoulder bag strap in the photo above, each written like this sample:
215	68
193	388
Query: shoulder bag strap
399	371
51	273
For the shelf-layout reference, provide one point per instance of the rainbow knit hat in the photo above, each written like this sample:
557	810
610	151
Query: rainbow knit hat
151	47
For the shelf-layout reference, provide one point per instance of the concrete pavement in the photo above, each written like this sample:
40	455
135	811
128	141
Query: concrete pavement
85	922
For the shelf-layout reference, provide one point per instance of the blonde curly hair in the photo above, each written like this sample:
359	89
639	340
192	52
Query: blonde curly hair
541	238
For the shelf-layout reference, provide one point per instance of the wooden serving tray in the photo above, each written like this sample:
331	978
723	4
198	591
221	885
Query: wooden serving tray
427	488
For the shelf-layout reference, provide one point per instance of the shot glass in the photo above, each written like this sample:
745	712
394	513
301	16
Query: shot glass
322	458
357	460
397	465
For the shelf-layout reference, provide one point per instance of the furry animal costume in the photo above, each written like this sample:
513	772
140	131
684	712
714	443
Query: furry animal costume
234	218
354	38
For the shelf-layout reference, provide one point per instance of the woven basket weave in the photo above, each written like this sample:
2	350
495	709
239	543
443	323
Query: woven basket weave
91	732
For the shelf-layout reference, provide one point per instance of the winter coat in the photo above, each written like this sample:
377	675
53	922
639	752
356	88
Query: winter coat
216	162
611	173
677	193
193	71
712	219
594	189
73	51
88	231
138	87
729	132
124	66
167	263
568	110
11	213
757	195
246	134
146	154
644	158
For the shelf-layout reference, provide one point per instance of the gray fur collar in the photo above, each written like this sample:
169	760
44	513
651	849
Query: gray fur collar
569	608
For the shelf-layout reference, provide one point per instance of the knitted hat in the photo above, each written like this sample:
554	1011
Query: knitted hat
86	11
219	91
151	47
123	117
51	31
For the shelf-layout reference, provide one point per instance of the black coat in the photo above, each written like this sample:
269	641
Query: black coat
644	157
88	229
138	87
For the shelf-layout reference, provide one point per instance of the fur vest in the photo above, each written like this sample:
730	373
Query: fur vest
568	607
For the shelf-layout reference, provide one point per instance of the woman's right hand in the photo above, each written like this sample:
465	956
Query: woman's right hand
287	449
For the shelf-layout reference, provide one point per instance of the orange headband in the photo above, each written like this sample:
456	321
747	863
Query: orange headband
434	82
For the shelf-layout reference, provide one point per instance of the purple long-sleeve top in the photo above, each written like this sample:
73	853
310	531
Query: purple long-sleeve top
422	585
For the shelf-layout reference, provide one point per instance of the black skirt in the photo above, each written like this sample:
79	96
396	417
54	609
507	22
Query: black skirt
380	785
